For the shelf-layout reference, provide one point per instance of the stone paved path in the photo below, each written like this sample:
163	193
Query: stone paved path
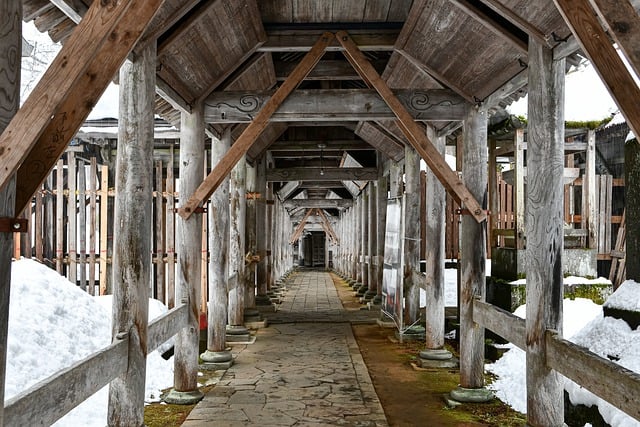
304	372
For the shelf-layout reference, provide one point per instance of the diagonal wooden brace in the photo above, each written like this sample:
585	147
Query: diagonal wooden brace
300	228
255	128
411	130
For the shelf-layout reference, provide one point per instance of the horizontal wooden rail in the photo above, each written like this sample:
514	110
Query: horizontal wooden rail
503	323
607	380
49	400
166	326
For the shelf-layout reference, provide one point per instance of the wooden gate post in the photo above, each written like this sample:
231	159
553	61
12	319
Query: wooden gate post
632	195
381	218
237	212
545	234
473	251
411	275
373	237
217	356
10	54
189	249
132	243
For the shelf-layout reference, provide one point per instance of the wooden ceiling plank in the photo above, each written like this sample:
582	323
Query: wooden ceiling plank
380	140
376	10
477	14
583	21
59	84
253	131
172	19
325	70
322	174
519	81
311	145
288	189
195	15
71	111
531	30
408	29
31	9
73	9
624	26
416	135
170	95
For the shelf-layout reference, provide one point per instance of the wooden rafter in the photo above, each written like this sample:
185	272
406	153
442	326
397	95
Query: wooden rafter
61	101
583	21
300	228
531	30
255	128
412	131
318	203
327	226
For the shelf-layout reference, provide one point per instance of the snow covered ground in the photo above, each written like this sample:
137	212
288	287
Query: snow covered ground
53	324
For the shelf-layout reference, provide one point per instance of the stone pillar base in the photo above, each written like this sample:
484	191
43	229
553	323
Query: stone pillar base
216	360
471	395
237	333
262	300
369	295
175	397
377	300
439	358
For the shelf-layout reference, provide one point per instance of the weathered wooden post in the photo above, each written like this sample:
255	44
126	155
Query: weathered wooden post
217	356
434	354
189	246
251	314
270	232
263	231
236	331
381	219
412	278
632	194
372	248
544	228
10	54
132	244
473	254
364	242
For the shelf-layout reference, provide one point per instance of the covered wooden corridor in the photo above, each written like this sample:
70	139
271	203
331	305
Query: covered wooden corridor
307	118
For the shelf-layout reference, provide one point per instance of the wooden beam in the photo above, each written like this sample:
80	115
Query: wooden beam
325	70
302	41
74	10
531	30
298	231
583	21
327	226
322	174
507	89
381	140
335	104
248	137
490	24
412	131
318	203
288	189
310	145
47	121
623	22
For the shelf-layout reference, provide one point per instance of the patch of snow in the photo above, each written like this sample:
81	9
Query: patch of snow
626	297
572	280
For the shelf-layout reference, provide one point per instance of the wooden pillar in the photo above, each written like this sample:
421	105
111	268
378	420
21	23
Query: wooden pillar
494	202
218	265
188	248
518	188
10	54
93	170
373	247
60	216
435	253
72	207
411	276
132	244
237	243
472	260
544	227
159	229
381	219
589	196
82	219
170	241
270	233
364	241
251	243
262	230
632	196
49	223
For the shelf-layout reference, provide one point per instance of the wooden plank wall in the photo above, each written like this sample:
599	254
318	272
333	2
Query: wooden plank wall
86	256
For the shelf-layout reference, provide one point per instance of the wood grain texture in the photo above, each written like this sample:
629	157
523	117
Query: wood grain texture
132	241
544	231
250	238
261	225
248	137
381	216
325	174
10	57
378	138
318	203
189	250
595	43
412	131
473	251
412	282
218	249
372	250
363	232
502	322
632	196
69	111
237	223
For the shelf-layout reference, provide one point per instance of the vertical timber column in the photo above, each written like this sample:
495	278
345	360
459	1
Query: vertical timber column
632	194
132	244
10	54
237	212
357	246
189	248
434	257
217	356
372	249
544	228
473	254
269	204
411	276
381	219
364	241
262	232
251	243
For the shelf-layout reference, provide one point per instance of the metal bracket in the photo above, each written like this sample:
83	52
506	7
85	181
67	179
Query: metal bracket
13	225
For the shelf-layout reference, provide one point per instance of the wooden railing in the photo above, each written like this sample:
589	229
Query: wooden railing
49	400
607	380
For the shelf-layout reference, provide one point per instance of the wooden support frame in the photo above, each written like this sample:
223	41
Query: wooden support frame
327	226
583	21
296	234
255	128
46	122
411	130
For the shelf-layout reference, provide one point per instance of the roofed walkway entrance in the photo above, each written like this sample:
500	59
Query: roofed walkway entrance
303	370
